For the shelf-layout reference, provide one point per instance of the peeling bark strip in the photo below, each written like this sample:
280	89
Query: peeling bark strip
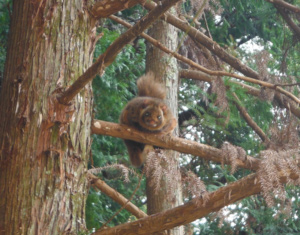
109	55
195	209
170	142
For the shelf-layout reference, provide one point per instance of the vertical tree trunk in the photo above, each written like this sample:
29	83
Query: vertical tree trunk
45	146
166	69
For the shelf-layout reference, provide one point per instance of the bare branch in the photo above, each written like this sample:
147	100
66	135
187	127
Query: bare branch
116	196
170	142
294	27
112	51
285	5
103	9
207	42
196	208
205	70
283	102
191	211
291	84
249	120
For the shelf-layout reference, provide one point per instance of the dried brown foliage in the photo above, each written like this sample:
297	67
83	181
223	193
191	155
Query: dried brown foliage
275	164
124	170
280	159
232	153
158	167
193	186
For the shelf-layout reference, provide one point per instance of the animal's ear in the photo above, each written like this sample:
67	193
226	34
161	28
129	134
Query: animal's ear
145	103
163	107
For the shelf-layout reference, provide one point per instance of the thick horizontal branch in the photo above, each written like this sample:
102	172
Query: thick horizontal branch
195	209
170	142
112	51
116	196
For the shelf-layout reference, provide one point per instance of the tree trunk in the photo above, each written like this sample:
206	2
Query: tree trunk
45	146
165	68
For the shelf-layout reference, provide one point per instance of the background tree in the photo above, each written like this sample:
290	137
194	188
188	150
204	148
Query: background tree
165	193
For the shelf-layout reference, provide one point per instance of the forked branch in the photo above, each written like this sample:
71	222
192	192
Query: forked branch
216	49
285	5
112	51
205	70
195	209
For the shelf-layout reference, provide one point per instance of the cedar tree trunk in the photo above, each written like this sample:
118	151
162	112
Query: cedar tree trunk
165	68
45	146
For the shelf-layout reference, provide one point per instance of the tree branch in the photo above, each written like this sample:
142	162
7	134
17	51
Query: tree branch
249	120
170	142
203	69
195	209
109	55
207	42
103	9
294	27
192	74
285	5
221	53
116	196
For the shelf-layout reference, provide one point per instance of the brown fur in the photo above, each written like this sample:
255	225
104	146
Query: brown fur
148	113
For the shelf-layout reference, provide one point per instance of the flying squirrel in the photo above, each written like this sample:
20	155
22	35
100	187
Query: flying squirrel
148	113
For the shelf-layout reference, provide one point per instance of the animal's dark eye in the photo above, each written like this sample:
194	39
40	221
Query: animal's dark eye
147	114
159	117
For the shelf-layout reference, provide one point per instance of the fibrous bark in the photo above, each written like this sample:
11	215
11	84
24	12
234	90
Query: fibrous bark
165	69
45	146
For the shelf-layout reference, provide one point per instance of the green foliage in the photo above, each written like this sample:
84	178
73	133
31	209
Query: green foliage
111	93
240	22
100	208
4	28
244	20
252	216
